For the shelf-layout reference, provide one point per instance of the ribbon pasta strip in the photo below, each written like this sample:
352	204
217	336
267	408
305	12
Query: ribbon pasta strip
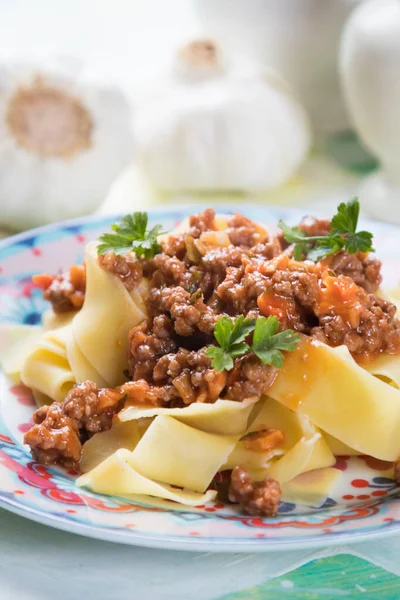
342	398
303	449
90	345
169	453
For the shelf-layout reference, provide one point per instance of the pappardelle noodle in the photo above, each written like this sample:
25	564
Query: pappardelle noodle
216	359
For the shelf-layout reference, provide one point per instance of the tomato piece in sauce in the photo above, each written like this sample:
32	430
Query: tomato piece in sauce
340	296
271	304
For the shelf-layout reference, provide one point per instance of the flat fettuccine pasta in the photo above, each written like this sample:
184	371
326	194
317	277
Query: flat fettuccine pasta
101	327
117	476
337	447
46	368
169	452
88	345
341	398
387	367
17	342
311	488
303	448
223	416
172	452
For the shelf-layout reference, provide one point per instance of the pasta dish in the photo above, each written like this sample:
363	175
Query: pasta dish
170	358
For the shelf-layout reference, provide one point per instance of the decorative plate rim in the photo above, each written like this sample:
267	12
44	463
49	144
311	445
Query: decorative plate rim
119	536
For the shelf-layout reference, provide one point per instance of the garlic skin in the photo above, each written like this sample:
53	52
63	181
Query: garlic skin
217	126
63	139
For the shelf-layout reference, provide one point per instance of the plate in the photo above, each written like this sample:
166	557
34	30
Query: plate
364	504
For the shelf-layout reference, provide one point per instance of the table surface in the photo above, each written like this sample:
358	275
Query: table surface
37	562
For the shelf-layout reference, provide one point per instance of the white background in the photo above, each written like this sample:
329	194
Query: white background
125	39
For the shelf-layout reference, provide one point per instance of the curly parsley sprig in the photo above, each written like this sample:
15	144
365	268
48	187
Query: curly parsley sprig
267	344
343	235
131	235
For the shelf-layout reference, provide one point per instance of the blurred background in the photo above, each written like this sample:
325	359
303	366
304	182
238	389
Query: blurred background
113	106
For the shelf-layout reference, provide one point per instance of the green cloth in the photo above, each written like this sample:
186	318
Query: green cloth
342	576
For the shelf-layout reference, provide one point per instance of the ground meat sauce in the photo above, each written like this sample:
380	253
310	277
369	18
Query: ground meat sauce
60	429
363	269
199	276
259	498
65	291
127	268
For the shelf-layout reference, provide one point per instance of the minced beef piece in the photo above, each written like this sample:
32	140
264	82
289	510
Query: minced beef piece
169	270
363	269
202	222
59	429
92	408
174	245
141	392
188	314
145	348
232	292
66	291
244	232
264	251
191	374
313	227
375	331
259	498
249	378
291	295
54	438
126	267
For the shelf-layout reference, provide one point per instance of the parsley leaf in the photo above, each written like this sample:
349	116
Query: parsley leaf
230	337
131	235
268	344
326	247
359	242
346	218
343	234
221	360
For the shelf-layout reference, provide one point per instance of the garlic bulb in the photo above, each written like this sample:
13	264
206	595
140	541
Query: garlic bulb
216	126
63	139
298	38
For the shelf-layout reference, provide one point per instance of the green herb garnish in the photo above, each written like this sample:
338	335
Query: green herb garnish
343	235
267	343
131	235
230	337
